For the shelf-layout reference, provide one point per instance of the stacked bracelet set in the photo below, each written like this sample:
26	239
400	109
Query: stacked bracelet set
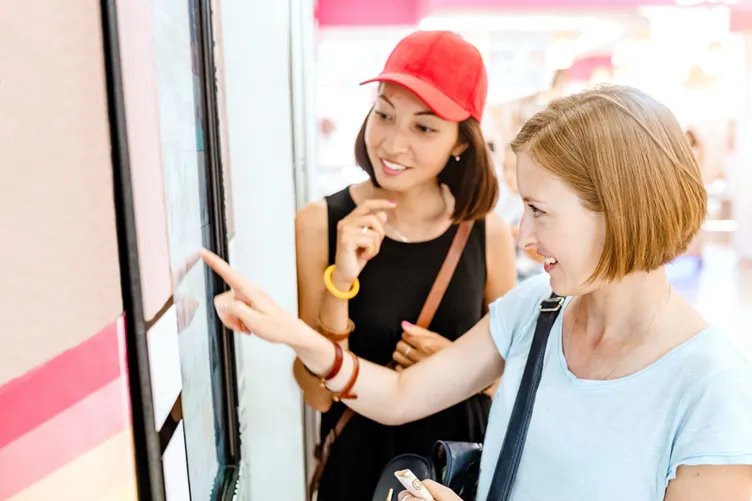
337	337
336	366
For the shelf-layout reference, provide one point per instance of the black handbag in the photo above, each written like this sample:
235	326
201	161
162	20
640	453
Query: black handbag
457	464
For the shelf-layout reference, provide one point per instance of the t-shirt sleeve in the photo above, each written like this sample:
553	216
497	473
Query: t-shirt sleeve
717	426
511	313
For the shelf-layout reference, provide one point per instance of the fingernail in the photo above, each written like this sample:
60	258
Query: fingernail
393	202
221	307
406	324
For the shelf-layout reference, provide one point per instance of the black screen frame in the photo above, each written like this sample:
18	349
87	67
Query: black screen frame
149	440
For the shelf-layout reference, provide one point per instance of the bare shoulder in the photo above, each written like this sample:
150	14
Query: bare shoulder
499	236
500	258
311	221
497	230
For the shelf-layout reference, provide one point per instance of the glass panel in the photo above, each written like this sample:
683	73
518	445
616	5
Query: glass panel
184	164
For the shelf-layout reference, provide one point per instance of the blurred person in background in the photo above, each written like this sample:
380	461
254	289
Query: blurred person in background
694	249
511	209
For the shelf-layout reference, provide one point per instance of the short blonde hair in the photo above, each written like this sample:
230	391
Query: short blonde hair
627	157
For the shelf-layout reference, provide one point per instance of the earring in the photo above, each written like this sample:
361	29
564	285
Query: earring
457	158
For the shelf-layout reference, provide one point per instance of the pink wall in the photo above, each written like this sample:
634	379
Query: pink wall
582	69
410	12
368	12
60	280
64	409
741	20
433	6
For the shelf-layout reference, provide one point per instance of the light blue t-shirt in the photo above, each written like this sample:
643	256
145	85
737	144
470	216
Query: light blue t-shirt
622	439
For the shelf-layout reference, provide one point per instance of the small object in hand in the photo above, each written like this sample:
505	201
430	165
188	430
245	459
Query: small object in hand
408	479
389	496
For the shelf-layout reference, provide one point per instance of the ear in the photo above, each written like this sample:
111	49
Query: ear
460	149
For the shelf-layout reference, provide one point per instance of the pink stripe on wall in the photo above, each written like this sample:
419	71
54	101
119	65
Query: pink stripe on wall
44	392
60	440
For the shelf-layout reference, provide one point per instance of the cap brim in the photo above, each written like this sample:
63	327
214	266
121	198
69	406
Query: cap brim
434	98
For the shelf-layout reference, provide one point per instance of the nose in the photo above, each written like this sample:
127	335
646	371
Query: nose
395	142
527	239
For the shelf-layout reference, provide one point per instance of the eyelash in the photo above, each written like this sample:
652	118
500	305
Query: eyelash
536	211
421	128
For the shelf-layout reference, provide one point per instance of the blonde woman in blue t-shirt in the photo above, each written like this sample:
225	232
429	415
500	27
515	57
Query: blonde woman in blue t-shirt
640	400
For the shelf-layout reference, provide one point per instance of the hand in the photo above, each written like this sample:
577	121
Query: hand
248	308
356	246
229	320
417	344
438	491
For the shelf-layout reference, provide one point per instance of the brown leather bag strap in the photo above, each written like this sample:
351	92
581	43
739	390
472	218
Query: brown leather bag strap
433	300
323	450
445	274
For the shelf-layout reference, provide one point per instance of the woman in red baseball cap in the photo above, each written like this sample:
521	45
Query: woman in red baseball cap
383	241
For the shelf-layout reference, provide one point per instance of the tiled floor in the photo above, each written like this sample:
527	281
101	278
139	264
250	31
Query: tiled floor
721	289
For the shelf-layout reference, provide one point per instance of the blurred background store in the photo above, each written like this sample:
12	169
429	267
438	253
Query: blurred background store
694	56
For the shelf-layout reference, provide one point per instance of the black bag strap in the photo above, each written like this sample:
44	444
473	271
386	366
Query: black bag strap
519	420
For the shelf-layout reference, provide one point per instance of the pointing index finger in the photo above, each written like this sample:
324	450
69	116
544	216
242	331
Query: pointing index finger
222	269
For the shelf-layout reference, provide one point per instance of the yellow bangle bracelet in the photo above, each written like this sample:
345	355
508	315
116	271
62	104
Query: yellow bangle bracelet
336	292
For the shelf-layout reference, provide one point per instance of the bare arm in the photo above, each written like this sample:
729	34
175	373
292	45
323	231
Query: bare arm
312	252
446	378
316	306
708	483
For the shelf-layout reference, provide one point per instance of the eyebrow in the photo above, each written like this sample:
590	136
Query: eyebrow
531	200
418	113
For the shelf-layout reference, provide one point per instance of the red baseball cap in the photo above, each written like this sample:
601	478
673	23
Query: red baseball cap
443	70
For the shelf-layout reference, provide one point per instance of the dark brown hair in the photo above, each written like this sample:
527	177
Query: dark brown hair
472	180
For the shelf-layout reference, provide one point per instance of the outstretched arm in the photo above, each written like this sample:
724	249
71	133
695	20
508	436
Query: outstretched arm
391	398
707	482
450	376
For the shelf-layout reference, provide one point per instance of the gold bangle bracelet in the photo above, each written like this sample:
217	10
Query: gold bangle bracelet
336	292
336	336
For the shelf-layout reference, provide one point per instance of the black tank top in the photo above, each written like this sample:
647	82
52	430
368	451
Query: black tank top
393	287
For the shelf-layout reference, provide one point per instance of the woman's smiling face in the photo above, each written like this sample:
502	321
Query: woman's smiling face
559	228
